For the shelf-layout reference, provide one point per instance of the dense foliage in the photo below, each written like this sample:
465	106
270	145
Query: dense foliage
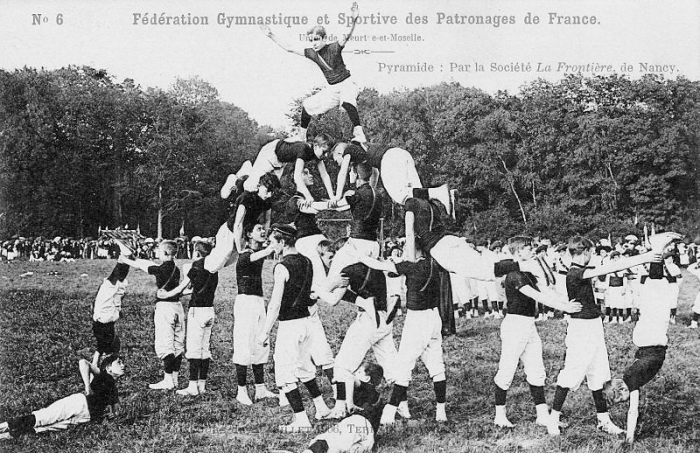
584	155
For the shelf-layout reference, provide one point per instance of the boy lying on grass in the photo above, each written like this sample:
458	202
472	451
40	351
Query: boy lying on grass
97	402
356	432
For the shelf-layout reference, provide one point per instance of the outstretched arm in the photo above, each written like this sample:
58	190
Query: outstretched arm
346	37
312	208
325	178
350	394
268	219
262	254
333	291
86	370
279	42
552	299
330	297
281	275
632	415
163	294
342	176
138	263
373	263
623	263
409	248
299	180
658	242
238	228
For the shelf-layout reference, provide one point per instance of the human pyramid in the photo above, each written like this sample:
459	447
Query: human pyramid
313	269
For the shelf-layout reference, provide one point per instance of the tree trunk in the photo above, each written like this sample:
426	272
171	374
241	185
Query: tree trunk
509	177
80	219
160	211
612	176
117	194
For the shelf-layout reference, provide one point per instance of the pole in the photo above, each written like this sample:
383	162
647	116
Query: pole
381	236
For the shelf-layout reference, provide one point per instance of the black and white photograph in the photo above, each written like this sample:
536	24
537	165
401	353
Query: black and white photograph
326	227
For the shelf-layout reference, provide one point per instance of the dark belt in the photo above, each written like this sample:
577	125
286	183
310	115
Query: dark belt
657	347
393	312
389	318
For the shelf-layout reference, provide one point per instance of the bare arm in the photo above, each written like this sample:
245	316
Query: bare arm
163	294
632	415
333	291
624	263
373	263
325	178
313	208
262	254
552	299
281	275
139	263
299	179
331	297
346	37
86	369
342	202
350	394
410	246
289	48
238	228
342	176
112	412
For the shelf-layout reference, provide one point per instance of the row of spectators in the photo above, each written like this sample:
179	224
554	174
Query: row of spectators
69	248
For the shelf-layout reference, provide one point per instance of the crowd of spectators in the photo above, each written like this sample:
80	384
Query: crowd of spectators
68	249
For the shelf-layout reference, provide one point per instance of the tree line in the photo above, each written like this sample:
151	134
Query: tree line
582	155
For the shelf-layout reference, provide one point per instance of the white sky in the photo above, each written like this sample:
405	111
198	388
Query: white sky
253	73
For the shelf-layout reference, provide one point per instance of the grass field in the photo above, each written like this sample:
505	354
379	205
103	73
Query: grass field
45	327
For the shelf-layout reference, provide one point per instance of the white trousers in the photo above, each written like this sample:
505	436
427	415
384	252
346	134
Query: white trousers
332	96
456	256
224	252
421	337
200	321
363	335
586	355
293	353
346	255
248	323
321	353
71	410
352	434
169	321
399	174
308	246
520	342
266	162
